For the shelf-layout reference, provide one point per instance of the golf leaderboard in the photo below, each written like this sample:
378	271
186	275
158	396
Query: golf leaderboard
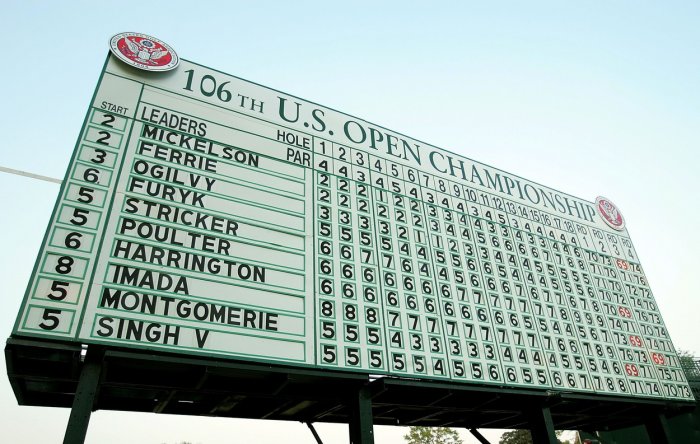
207	215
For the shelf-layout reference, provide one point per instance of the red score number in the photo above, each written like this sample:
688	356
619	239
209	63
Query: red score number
622	264
635	340
631	370
658	358
624	312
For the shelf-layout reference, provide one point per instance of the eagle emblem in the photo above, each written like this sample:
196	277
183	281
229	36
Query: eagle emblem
143	51
610	214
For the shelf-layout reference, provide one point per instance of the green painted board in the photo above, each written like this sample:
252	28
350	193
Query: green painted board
208	215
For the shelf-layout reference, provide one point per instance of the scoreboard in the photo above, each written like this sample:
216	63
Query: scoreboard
207	215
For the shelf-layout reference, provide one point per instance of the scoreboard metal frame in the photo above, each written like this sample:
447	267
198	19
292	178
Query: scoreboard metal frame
207	215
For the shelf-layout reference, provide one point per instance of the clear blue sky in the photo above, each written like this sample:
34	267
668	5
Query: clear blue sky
589	98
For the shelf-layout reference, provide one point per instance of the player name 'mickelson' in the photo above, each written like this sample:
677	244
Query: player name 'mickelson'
187	134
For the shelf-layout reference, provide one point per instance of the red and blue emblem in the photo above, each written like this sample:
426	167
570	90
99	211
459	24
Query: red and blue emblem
610	214
143	52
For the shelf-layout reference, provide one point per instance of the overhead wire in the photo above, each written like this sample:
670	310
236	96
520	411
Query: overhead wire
30	175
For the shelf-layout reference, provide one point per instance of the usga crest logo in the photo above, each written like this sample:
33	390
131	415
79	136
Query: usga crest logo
143	51
610	214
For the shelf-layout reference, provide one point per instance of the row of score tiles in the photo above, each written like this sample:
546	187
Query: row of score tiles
365	167
347	271
368	170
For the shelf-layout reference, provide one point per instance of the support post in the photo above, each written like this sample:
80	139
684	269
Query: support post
479	437
84	399
657	429
314	432
542	426
361	420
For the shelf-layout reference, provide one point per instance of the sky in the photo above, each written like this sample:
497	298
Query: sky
590	98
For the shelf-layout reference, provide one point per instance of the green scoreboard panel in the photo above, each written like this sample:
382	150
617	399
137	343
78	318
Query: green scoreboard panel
208	215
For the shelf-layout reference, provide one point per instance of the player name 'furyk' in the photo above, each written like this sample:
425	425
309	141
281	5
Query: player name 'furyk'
168	192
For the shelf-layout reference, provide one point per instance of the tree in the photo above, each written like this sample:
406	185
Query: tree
521	437
432	435
688	364
516	437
